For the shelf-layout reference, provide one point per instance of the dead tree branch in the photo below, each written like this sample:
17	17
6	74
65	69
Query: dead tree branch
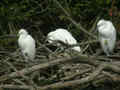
87	79
81	59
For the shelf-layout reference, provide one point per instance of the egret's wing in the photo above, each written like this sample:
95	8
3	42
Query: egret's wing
30	46
112	37
21	43
104	44
30	42
69	39
64	36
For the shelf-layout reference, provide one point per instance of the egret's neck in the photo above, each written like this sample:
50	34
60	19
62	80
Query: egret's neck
102	27
23	35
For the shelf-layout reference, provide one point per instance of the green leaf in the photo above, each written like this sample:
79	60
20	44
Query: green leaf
108	1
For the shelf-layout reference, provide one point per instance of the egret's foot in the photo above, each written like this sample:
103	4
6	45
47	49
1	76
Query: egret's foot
108	54
111	60
19	73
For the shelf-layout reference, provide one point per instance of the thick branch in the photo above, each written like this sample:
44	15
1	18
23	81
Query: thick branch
76	82
81	58
64	84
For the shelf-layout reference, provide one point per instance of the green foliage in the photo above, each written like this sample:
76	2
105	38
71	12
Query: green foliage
16	12
45	15
101	2
25	13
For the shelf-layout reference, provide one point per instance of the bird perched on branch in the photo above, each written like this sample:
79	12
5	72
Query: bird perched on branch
26	44
62	35
107	35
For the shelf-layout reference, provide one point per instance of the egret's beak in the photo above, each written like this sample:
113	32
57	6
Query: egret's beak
46	40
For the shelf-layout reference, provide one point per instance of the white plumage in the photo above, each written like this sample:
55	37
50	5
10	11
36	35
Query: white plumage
107	35
64	36
26	44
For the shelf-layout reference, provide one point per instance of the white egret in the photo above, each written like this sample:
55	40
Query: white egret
64	36
26	44
107	35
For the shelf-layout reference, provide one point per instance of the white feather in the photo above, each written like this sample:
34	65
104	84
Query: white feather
107	35
26	44
64	36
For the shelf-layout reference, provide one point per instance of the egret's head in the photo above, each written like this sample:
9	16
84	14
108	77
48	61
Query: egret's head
50	39
100	23
22	32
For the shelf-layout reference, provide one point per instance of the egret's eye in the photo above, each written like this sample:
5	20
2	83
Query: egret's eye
18	34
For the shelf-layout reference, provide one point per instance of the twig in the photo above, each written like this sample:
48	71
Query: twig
79	26
80	58
22	75
63	84
94	24
76	74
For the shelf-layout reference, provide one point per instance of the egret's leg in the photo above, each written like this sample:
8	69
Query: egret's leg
26	57
107	53
106	48
59	50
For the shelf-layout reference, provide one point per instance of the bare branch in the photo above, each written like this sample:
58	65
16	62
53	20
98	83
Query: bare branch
79	26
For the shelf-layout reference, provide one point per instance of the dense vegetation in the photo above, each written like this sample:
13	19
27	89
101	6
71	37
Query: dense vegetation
45	15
